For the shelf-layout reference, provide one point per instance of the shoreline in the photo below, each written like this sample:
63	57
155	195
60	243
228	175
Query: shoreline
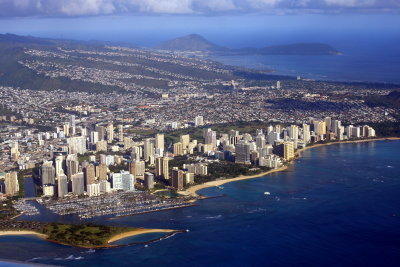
138	232
192	191
24	232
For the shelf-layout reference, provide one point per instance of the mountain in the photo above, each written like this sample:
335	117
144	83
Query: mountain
195	42
392	100
192	42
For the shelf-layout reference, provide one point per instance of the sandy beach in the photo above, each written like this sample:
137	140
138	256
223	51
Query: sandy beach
193	190
43	236
347	142
138	232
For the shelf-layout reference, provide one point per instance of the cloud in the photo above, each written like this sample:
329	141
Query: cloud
15	8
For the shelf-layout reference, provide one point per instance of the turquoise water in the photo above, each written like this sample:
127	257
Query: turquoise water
337	205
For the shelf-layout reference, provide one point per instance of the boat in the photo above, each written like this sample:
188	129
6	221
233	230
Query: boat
267	193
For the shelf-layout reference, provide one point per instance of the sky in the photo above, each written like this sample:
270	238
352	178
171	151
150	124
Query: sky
22	8
234	23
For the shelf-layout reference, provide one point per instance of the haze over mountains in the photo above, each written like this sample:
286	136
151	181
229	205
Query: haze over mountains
195	42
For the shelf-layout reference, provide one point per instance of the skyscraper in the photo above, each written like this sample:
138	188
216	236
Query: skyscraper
77	145
242	153
137	168
72	165
260	141
211	138
110	133
48	173
159	141
177	178
78	183
148	180
288	150
120	132
185	140
90	174
101	172
162	167
148	148
178	149
59	162
198	121
62	185
101	131
11	183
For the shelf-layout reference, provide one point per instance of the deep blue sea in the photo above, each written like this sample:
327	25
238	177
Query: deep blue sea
354	66
337	205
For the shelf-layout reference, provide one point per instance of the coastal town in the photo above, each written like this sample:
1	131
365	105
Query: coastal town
129	131
85	169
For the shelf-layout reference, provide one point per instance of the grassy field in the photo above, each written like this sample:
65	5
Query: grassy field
83	235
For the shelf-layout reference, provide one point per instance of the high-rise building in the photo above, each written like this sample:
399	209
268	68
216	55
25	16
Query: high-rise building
242	153
278	85
93	190
59	162
101	146
211	138
72	121
177	178
137	168
101	172
11	183
66	129
77	145
159	140
101	131
162	167
78	183
198	121
185	140
294	132
123	181
328	123
48	190
62	185
260	141
288	150
15	151
94	137
72	165
110	133
120	132
90	174
178	149
148	180
148	148
48	173
306	133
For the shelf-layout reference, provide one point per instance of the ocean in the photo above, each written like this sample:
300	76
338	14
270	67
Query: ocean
352	66
337	205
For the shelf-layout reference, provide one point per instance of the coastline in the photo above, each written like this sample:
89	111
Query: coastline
192	191
139	232
15	232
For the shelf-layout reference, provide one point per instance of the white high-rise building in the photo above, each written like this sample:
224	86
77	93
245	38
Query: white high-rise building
77	145
199	121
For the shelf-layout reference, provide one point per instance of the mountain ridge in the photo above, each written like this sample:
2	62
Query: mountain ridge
196	42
